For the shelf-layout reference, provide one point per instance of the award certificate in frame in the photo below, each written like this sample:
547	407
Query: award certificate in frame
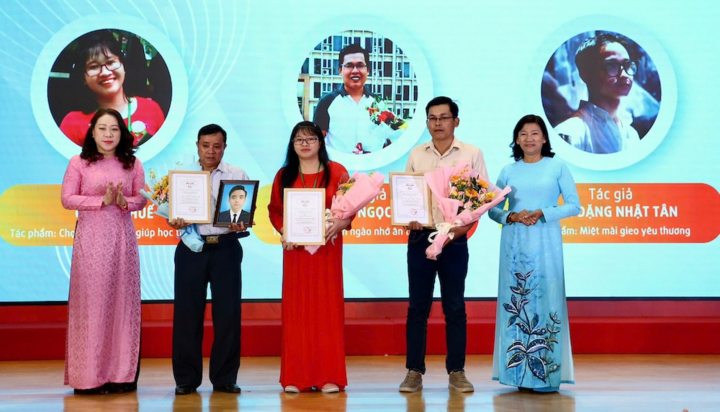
410	199
190	196
304	216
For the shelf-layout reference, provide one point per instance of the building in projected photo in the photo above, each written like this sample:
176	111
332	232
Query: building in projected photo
390	75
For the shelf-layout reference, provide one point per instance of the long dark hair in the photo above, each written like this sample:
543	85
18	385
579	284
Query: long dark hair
545	150
291	169
125	152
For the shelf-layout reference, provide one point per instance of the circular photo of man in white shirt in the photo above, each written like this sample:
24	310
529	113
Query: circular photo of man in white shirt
601	92
361	89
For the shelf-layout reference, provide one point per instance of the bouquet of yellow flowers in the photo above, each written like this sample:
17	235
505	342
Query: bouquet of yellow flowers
471	191
463	196
158	195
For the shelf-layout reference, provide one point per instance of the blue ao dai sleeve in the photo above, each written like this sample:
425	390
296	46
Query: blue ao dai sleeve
570	197
497	213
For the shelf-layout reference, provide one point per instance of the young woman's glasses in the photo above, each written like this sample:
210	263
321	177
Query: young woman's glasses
93	69
614	67
309	140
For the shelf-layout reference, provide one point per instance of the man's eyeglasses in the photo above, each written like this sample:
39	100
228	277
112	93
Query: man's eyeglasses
93	69
443	119
614	67
309	140
358	66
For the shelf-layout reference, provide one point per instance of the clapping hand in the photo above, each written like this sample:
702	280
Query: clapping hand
109	195
119	198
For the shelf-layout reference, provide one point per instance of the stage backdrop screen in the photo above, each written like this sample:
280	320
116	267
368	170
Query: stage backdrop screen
647	177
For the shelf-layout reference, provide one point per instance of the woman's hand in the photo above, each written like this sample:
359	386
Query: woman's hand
109	195
119	198
285	245
178	223
336	226
529	218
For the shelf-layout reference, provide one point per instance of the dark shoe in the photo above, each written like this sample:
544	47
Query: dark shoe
113	387
101	390
526	390
184	390
227	388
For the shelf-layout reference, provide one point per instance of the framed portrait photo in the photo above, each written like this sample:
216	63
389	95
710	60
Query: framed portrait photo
236	202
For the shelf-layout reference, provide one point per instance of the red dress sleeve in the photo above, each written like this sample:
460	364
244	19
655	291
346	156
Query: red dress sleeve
275	207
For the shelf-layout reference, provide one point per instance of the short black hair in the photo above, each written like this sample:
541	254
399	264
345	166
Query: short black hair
586	55
545	150
212	129
235	189
352	49
441	100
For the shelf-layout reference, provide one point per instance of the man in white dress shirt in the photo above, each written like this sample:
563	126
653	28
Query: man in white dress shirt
601	125
217	263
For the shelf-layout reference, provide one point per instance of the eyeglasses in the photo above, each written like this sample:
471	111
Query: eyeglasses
614	67
358	66
93	69
443	119
309	140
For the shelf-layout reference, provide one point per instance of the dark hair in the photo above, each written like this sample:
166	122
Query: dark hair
236	188
545	150
352	49
587	54
125	152
212	129
90	45
441	100
291	169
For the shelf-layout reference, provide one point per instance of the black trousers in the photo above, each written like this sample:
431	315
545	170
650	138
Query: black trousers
451	268
218	264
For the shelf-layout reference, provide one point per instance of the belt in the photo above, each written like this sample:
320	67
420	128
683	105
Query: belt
215	239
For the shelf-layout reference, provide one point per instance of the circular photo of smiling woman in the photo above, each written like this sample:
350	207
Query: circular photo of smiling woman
601	92
109	68
361	89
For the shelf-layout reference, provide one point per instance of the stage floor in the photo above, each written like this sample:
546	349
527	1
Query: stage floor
604	383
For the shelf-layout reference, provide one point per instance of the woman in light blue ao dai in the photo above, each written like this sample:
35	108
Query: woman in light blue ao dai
532	336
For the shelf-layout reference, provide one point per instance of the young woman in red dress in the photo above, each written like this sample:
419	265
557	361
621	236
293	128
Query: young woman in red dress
313	339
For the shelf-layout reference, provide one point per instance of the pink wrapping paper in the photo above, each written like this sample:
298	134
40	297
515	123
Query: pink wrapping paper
363	191
439	182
